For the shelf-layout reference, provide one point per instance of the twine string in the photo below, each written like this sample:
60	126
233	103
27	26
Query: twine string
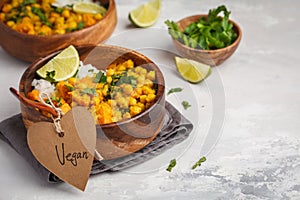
56	120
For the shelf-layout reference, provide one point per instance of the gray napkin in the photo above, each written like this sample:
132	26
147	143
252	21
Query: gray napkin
176	128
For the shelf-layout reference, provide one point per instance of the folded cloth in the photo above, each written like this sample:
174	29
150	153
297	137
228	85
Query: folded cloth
176	128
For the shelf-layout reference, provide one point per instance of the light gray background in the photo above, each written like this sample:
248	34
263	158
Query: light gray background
257	155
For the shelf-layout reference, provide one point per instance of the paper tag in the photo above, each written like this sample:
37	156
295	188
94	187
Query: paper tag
69	157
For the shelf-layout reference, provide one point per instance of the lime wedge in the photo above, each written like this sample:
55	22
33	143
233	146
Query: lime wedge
64	65
146	14
191	70
88	7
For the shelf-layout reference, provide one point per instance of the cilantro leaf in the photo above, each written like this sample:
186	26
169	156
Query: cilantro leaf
100	78
80	25
199	162
71	88
171	165
27	2
123	78
185	104
89	91
39	12
50	76
173	90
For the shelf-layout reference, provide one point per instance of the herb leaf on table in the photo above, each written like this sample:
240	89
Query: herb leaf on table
199	162
173	90
185	104
171	165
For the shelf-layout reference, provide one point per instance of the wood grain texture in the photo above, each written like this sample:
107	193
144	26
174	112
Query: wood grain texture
210	57
31	47
115	139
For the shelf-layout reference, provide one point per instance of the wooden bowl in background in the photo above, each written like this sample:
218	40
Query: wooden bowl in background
31	47
210	57
115	139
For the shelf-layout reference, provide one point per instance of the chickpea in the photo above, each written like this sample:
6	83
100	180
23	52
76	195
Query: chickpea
127	89
151	75
72	81
132	101
65	13
110	72
11	23
129	64
72	25
7	8
98	16
121	67
109	79
2	16
143	98
65	108
134	110
150	97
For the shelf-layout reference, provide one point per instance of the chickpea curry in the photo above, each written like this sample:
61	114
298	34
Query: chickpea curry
121	92
42	17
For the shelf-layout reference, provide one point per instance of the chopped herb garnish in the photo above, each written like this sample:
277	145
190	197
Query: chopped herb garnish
89	91
199	162
80	25
100	77
91	70
116	76
50	76
171	165
58	9
124	79
26	2
185	104
41	15
53	98
173	90
71	88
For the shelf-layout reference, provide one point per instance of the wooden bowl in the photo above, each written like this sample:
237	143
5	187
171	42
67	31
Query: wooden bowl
115	139
210	57
31	47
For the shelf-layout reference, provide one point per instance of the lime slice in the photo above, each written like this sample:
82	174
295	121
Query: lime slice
191	70
64	65
145	15
88	7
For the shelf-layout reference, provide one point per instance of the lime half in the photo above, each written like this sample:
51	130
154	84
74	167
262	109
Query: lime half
191	70
145	15
63	66
88	7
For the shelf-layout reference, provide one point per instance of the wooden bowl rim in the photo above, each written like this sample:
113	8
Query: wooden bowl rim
236	42
160	80
111	7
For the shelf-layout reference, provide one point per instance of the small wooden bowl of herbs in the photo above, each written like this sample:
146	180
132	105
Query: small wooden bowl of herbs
209	39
